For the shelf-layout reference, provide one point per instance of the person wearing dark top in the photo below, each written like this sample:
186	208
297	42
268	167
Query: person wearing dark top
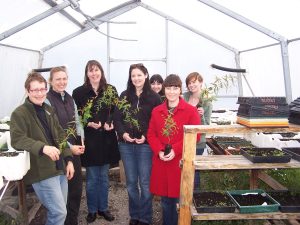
156	82
35	128
66	111
101	145
134	148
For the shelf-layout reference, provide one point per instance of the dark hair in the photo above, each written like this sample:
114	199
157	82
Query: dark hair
102	82
55	70
131	87
156	78
34	76
192	77
173	80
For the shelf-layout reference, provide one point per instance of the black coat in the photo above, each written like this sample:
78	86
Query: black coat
145	103
101	147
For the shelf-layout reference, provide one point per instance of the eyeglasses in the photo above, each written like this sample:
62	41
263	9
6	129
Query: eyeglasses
36	91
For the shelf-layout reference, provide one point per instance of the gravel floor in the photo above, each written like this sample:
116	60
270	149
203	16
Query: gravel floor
118	205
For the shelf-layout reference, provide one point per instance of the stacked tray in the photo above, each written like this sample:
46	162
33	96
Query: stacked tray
294	116
263	111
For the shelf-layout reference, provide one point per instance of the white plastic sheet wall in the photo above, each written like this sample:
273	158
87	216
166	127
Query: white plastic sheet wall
14	67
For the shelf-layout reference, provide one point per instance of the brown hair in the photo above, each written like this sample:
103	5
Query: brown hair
55	70
172	80
192	77
90	64
34	76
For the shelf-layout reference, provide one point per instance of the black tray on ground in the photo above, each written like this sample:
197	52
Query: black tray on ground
262	100
294	152
266	155
204	202
289	201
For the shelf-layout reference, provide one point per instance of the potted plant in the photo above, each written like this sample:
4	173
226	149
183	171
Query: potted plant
108	99
170	128
129	117
213	202
63	142
85	112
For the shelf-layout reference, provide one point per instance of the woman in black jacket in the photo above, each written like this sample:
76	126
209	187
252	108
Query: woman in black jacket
101	146
132	127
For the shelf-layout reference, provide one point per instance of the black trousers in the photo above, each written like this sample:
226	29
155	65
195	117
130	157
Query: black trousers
74	193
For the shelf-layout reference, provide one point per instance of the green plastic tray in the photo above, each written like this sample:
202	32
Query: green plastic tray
273	207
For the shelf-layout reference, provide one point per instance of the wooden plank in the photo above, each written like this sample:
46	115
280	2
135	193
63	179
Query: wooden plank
236	128
122	172
187	178
22	202
293	222
242	216
271	181
253	179
32	212
234	162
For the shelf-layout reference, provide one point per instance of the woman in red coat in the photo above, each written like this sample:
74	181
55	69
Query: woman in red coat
166	127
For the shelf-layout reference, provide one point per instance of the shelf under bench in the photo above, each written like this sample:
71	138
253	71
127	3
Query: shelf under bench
242	216
237	162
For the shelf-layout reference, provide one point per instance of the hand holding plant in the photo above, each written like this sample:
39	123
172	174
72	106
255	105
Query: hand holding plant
170	128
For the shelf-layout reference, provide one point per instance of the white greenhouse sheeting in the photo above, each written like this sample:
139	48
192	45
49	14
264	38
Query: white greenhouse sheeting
172	36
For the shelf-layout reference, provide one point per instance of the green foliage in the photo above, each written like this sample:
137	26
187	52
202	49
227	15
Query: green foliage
70	132
109	99
7	220
209	93
287	177
129	115
170	128
85	112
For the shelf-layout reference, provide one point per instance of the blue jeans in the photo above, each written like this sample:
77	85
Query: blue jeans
97	185
170	215
137	160
199	151
52	193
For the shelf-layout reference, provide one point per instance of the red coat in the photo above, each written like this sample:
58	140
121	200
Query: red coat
165	176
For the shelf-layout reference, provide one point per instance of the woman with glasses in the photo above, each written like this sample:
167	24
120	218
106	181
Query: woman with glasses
132	126
166	129
194	83
35	128
101	145
67	114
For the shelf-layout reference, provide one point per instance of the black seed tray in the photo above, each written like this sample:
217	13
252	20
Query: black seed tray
246	152
228	207
294	152
289	202
263	111
262	100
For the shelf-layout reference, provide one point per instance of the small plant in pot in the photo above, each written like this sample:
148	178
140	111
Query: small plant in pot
62	144
109	99
130	117
86	112
170	128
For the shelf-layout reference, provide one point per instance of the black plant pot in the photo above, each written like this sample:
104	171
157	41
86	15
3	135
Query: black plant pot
109	120
167	150
59	163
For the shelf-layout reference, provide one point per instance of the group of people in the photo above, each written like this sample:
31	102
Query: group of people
39	124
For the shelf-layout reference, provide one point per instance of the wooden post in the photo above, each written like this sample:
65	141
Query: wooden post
122	172
22	202
254	178
187	178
